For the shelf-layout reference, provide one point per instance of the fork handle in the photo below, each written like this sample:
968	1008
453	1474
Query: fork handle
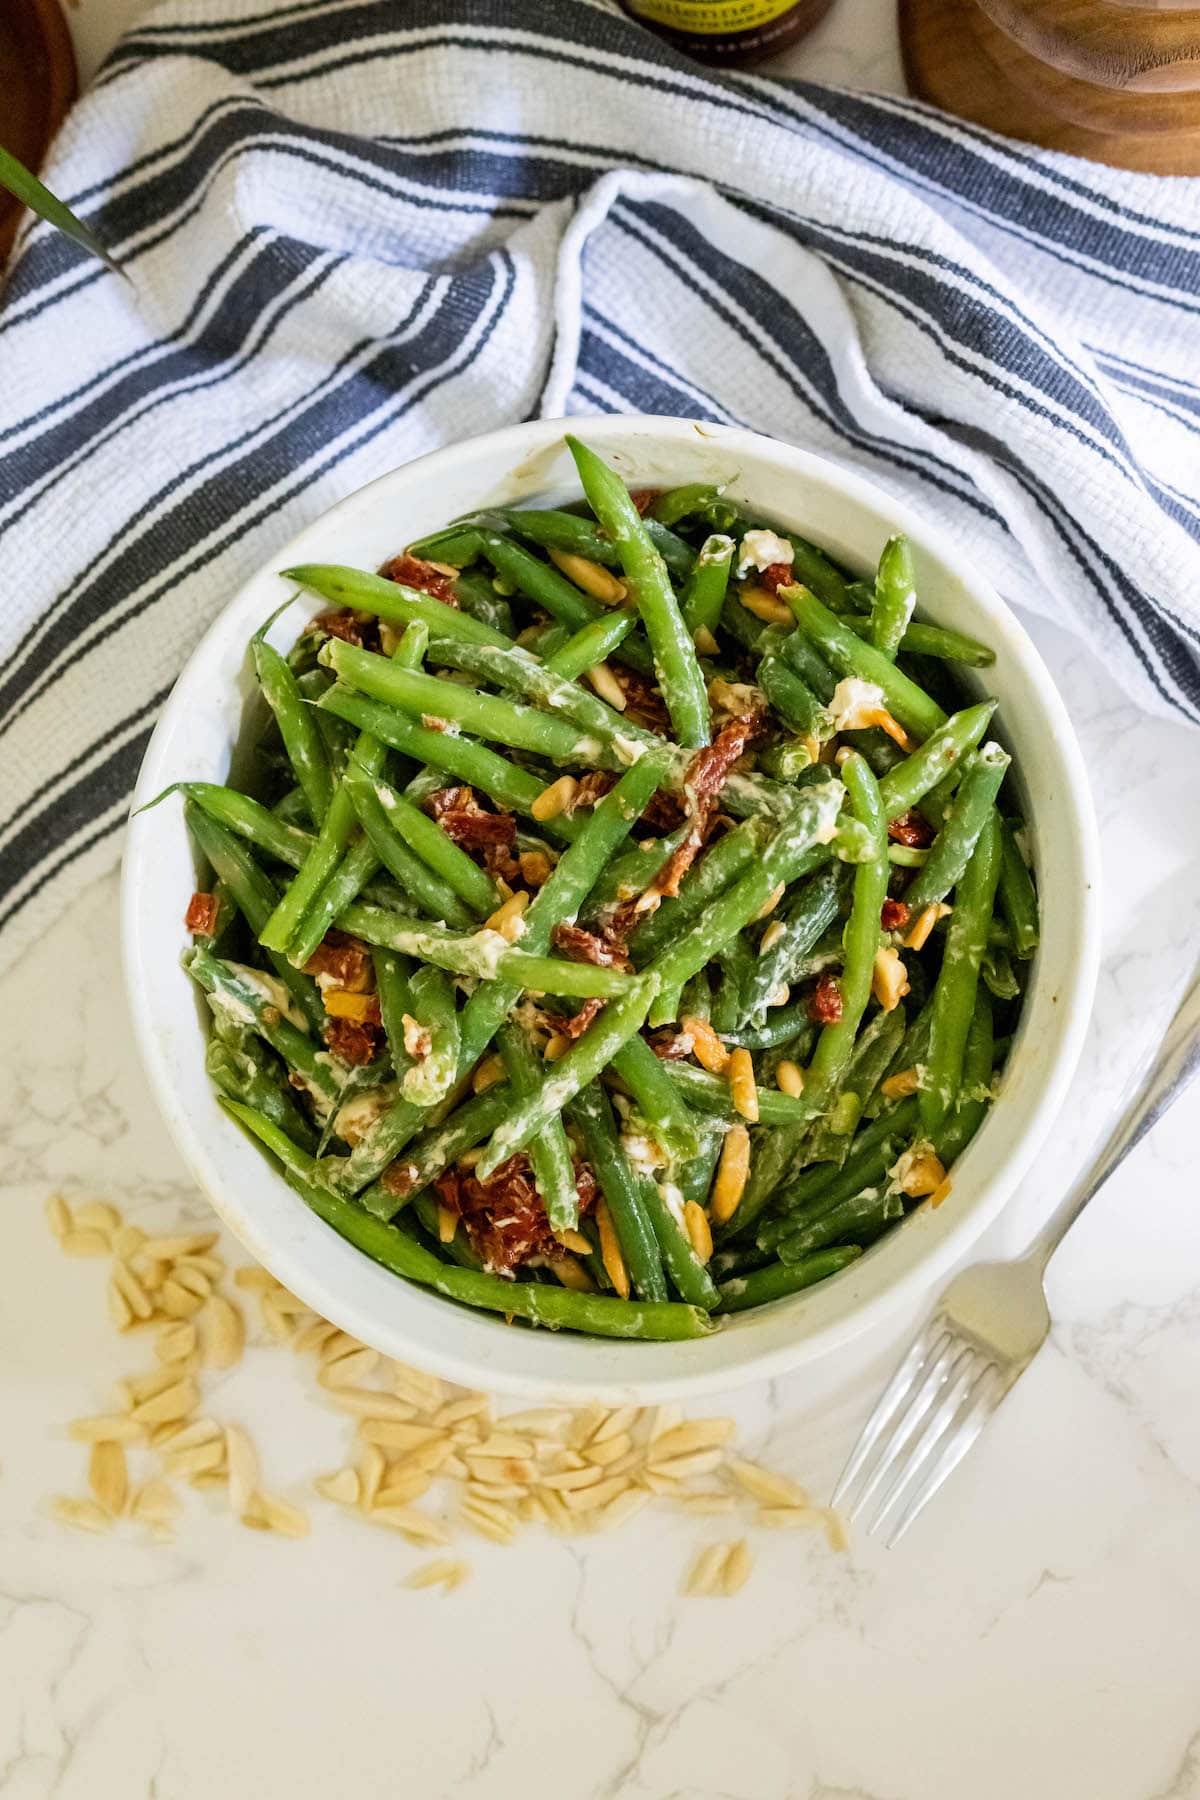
1177	1060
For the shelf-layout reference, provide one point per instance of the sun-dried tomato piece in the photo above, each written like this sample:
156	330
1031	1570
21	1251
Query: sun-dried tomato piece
489	836
586	946
426	577
669	1045
354	1043
644	498
703	781
578	1023
474	829
644	705
911	828
343	960
893	914
589	789
504	1216
201	915
825	1001
777	575
349	626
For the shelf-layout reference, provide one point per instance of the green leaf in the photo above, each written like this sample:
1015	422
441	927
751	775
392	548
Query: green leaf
32	193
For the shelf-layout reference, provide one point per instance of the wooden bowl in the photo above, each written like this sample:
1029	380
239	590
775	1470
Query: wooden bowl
1119	83
38	81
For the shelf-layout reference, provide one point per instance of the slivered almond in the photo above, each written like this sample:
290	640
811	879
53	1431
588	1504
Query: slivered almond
611	1254
108	1476
682	1468
372	1467
347	1371
455	1411
128	1241
59	1216
610	1451
789	1078
172	1403
117	1428
491	1518
607	686
709	1050
902	1083
80	1514
400	1489
339	1345
507	919
185	1243
737	1568
176	1342
201	1459
586	1499
426	1391
505	1443
732	1173
765	606
267	1512
704	1574
771	936
707	1505
555	798
97	1215
538	1421
666	1486
253	1277
313	1336
591	576
437	1454
618	1423
446	1573
765	1485
396	1434
85	1243
224	1332
372	1403
241	1460
136	1388
154	1503
693	1434
665	1419
575	1240
696	1224
179	1301
923	924
489	1072
742	1088
119	1309
417	1527
789	1518
200	1431
622	1508
835	1529
568	1480
772	901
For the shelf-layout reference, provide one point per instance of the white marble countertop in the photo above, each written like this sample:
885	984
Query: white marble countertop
1037	1634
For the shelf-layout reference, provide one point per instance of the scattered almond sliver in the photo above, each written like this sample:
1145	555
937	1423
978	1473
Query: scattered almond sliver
571	1471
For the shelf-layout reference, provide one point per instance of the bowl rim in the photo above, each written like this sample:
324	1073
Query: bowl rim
510	447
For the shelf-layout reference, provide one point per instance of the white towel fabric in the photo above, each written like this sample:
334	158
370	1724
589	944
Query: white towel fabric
357	229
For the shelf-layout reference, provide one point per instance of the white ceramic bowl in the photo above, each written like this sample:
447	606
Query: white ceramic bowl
196	735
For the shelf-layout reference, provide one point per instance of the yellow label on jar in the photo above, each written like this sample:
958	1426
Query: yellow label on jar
711	17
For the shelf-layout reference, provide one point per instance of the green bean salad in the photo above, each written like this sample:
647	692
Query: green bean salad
623	919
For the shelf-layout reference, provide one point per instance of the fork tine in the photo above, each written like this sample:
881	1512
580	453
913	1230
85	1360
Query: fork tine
957	1443
965	1372
934	1375
889	1403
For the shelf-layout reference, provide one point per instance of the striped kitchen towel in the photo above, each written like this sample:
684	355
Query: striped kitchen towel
356	229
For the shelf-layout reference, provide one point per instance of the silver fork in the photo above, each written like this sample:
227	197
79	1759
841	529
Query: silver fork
989	1325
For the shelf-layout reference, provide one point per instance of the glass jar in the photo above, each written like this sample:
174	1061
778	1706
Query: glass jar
733	32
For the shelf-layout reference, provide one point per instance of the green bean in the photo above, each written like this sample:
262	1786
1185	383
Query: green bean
452	873
975	1095
614	1026
632	872
335	734
703	596
695	1176
861	938
781	860
575	708
916	777
950	853
301	739
512	788
760	1286
931	640
717	870
391	600
419	883
255	896
592	644
1018	899
431	1153
433	1075
711	1094
783	1022
737	1259
391	980
590	1112
679	674
786	759
895	597
873	1055
690	1278
425	1210
805	660
556	530
907	702
341	890
479	955
663	1111
815	1190
560	1308
429	696
456	544
999	976
539	582
240	1074
677	503
957	983
860	1219
736	963
809	912
252	998
795	703
558	899
476	595
819	573
549	1152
